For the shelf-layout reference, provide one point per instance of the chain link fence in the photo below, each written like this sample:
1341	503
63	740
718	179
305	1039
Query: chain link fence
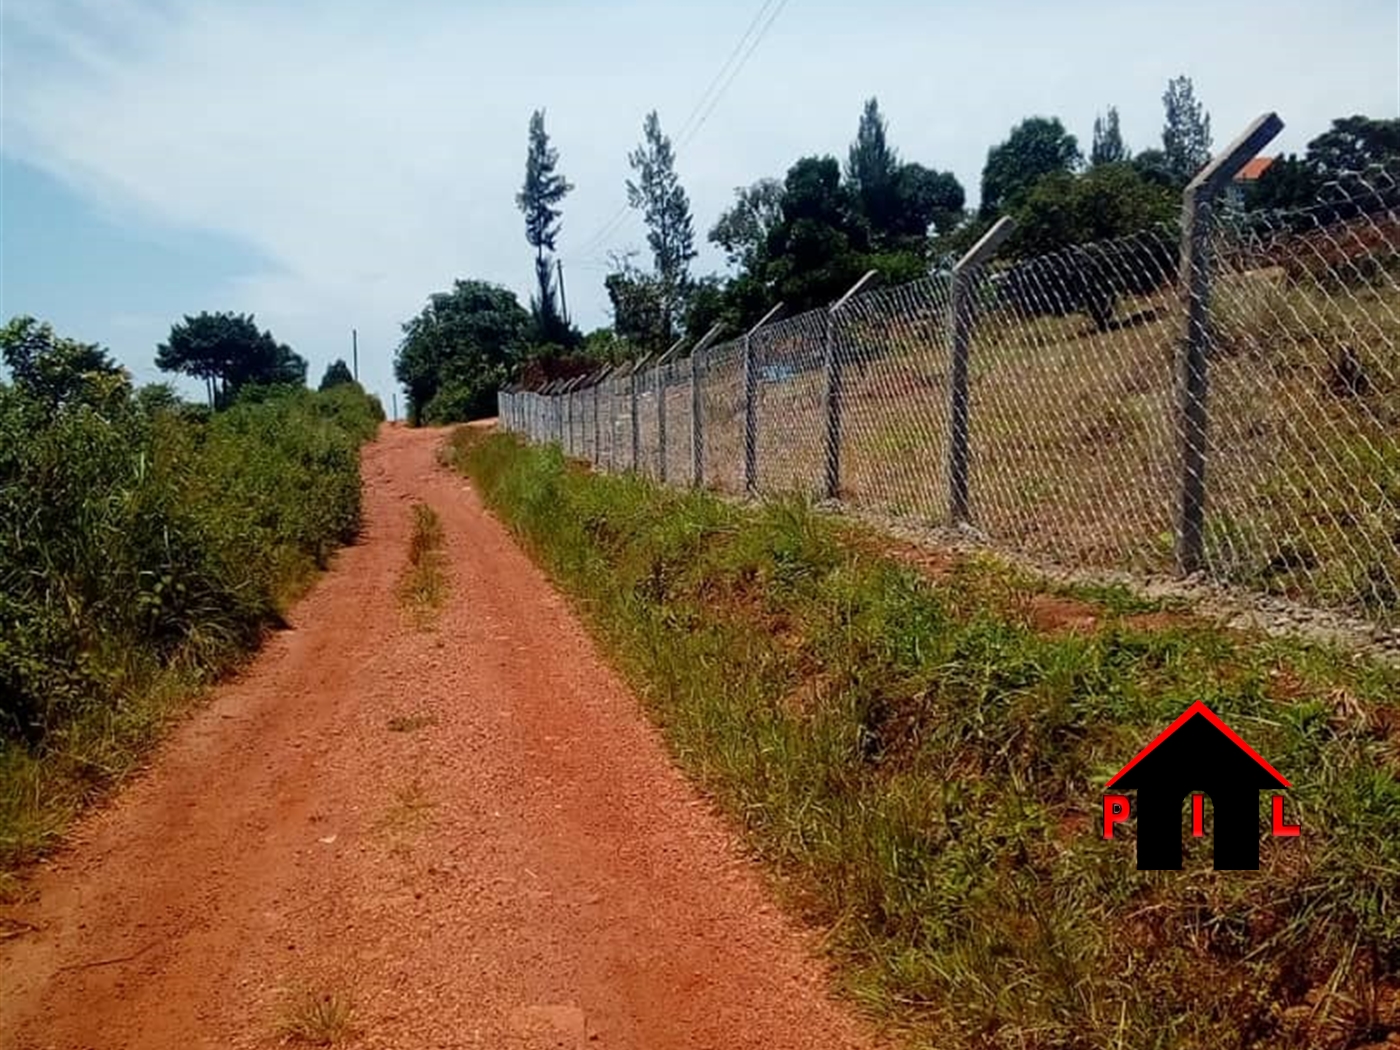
1221	400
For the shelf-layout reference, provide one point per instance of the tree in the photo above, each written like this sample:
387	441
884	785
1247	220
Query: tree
926	198
337	374
538	199
228	352
56	372
1072	233
743	230
462	346
872	170
815	252
1152	165
898	201
1186	134
638	306
1355	145
1037	147
658	193
1108	147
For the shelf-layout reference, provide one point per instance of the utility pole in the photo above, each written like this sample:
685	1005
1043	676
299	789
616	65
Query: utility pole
355	354
395	396
563	300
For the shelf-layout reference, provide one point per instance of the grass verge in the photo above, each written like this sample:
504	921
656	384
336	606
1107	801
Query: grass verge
146	546
424	585
920	755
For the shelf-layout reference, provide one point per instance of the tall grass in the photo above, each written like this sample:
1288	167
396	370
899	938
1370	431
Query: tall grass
923	761
144	547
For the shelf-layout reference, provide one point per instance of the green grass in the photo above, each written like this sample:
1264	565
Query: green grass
145	548
922	766
423	588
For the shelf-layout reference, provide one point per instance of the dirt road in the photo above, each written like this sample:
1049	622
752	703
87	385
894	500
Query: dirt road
469	833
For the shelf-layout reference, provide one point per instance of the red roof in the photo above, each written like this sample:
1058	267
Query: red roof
1253	169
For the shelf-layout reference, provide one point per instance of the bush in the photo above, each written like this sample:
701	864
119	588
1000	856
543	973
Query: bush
139	535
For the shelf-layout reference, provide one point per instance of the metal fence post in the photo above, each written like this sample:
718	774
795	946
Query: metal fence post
751	404
1193	372
961	310
832	369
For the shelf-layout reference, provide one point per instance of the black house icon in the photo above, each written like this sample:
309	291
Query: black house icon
1197	753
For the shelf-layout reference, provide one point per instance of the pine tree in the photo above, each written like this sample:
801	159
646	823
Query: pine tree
538	199
665	208
1186	133
1108	147
872	169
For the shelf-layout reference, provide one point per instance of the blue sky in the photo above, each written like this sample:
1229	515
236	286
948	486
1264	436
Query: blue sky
327	165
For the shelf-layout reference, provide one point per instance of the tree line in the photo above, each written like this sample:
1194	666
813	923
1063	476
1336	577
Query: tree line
806	237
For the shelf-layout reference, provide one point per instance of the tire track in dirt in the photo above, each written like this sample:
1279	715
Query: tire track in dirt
524	870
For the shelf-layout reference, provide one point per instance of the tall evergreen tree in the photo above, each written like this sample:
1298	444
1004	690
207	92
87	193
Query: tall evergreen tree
872	169
658	193
539	200
1108	147
1186	132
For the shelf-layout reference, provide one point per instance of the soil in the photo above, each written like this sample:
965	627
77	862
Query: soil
469	834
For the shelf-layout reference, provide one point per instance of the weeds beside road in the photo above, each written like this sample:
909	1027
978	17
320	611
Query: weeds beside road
145	546
920	751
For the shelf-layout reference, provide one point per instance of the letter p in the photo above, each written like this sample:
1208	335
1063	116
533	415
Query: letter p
1115	811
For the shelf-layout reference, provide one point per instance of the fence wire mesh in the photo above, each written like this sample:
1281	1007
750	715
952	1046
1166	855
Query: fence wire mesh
1079	415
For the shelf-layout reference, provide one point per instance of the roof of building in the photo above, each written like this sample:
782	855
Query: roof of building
1254	168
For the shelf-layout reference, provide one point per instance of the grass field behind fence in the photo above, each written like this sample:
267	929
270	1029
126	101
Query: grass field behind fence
1074	429
919	752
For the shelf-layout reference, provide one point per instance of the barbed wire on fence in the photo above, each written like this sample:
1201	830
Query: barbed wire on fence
1094	437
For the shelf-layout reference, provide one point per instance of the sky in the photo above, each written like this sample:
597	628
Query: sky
327	165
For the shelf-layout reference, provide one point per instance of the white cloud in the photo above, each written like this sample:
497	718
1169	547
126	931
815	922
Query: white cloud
371	152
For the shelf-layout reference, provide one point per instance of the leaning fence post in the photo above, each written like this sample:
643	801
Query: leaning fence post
697	418
1193	373
751	404
961	308
831	368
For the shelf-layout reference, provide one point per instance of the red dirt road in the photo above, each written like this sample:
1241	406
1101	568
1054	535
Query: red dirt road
527	870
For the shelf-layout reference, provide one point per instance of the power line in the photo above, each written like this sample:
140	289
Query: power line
707	101
778	10
700	102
